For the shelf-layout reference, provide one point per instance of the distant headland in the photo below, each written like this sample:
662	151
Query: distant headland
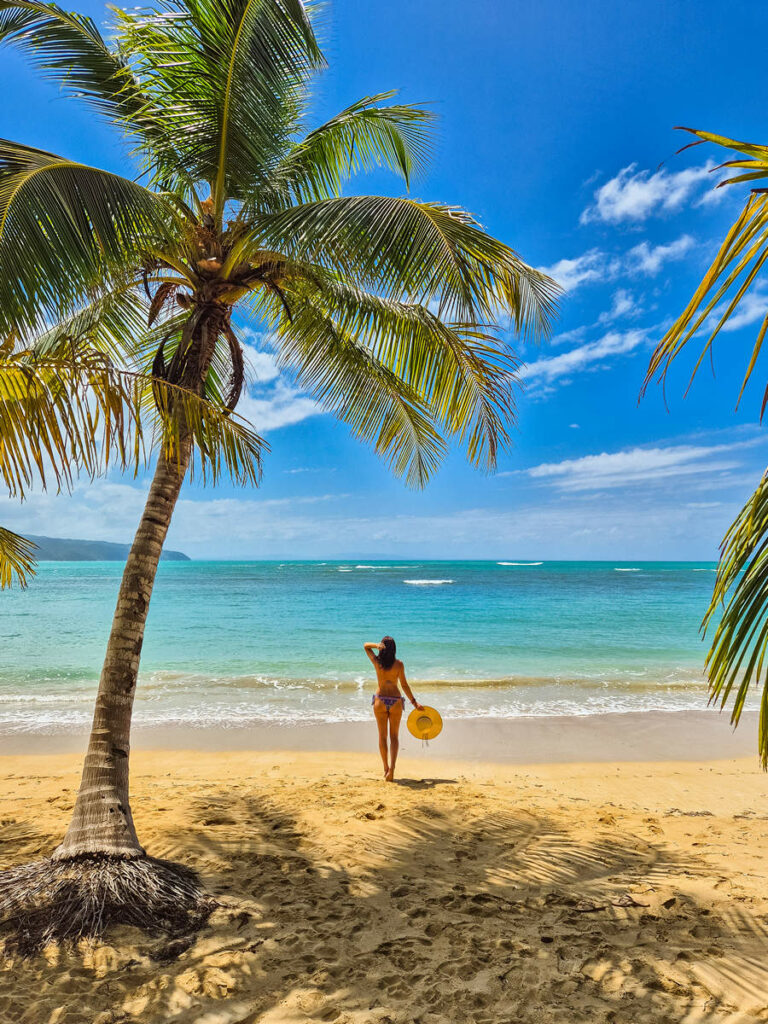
60	549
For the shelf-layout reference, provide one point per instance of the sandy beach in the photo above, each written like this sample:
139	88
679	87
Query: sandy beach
620	891
361	361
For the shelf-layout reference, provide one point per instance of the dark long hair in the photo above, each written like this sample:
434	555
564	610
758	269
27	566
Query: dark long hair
386	655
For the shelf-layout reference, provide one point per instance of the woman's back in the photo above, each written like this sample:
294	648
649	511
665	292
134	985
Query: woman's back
388	678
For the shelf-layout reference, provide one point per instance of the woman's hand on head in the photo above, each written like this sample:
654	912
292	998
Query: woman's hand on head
369	649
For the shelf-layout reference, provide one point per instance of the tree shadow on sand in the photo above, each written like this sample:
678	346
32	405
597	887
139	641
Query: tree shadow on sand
427	916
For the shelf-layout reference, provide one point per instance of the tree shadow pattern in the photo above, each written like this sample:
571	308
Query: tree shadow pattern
417	915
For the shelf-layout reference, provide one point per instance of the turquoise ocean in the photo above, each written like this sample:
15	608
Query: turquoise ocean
233	643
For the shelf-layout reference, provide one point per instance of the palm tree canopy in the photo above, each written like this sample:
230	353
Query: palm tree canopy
739	605
387	309
737	655
17	558
735	269
67	409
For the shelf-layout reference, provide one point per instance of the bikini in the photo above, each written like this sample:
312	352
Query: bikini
388	701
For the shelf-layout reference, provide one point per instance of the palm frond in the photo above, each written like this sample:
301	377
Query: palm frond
737	267
113	323
405	249
16	558
739	602
736	658
65	229
349	381
224	444
270	50
69	48
364	136
59	416
466	376
228	78
75	357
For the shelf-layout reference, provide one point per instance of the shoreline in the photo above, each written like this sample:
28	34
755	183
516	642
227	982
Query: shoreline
637	736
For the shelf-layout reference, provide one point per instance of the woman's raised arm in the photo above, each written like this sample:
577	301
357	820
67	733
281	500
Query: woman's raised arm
369	648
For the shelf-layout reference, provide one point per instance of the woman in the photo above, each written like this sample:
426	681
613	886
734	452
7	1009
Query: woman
388	702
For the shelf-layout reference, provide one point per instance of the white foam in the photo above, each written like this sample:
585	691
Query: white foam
627	570
519	563
427	583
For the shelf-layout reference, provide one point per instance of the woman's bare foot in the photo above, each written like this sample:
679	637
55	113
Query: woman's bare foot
390	776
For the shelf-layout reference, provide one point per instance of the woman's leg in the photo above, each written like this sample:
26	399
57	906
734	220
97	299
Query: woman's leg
395	714
381	711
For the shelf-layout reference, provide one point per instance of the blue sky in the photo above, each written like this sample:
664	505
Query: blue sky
556	130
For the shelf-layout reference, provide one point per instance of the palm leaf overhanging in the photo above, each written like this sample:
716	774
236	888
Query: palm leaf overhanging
66	409
737	656
739	605
274	229
388	310
17	558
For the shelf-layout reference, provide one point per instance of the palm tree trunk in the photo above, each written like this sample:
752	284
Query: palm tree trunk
102	823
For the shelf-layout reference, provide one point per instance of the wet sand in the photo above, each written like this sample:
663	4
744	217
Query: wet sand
631	736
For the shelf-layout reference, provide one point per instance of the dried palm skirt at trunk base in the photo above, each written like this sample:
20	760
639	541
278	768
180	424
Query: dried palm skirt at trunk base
54	901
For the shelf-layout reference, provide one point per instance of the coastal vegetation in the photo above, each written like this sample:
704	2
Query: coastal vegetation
738	611
61	549
67	409
394	313
57	416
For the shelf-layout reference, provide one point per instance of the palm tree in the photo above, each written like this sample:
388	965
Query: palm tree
16	558
56	417
384	308
66	409
739	606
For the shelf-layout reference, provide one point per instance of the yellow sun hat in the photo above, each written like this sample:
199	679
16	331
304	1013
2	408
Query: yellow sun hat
424	724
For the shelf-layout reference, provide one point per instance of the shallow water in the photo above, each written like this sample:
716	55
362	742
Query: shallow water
233	642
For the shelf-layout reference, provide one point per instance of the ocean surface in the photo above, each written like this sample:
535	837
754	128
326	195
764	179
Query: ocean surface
229	643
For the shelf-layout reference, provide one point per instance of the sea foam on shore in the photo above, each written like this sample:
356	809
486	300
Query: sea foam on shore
234	644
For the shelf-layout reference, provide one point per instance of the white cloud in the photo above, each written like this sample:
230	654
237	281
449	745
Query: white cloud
569	274
280	406
644	522
624	305
260	366
636	466
255	339
270	401
753	307
596	266
577	334
634	195
649	259
611	344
